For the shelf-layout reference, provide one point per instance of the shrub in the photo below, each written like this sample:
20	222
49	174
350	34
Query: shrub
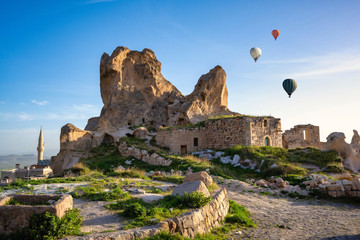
134	210
189	200
47	226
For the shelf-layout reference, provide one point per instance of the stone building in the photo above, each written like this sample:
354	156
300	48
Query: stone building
40	170
222	133
301	136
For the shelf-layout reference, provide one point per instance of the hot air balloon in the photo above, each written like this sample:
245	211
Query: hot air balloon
255	53
275	33
290	86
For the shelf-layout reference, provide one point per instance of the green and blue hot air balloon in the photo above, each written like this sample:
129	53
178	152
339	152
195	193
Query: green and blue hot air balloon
289	86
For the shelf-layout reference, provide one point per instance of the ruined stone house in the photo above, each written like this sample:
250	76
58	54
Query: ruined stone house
301	136
222	133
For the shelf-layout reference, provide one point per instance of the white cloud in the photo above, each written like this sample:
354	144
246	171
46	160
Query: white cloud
40	103
25	117
336	62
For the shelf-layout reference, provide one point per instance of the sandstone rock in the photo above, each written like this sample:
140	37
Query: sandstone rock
261	183
356	182
134	92
349	152
280	183
189	187
346	176
333	187
202	176
141	133
272	179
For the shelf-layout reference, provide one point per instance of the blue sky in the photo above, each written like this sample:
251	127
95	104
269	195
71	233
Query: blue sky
50	53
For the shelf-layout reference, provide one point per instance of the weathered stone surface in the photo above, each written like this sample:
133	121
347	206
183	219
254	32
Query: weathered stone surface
261	183
302	136
333	187
153	159
346	176
15	217
141	132
134	92
189	187
202	176
349	152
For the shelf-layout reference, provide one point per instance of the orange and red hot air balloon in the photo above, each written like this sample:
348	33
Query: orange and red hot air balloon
275	33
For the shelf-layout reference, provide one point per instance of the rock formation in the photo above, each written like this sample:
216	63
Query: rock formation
349	152
134	92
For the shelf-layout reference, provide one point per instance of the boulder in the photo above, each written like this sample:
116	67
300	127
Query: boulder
189	187
235	160
141	133
261	183
349	152
202	176
280	183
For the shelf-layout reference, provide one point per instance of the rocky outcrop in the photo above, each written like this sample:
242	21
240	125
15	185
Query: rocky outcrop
349	152
134	92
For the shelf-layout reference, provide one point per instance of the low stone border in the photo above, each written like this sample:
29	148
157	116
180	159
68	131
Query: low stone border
200	221
16	217
143	155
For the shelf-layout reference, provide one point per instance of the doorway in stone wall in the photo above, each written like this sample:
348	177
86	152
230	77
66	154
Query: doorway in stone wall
267	141
183	149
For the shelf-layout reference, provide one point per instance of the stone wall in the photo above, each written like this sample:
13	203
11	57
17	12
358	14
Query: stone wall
143	155
201	220
223	133
302	136
183	137
16	217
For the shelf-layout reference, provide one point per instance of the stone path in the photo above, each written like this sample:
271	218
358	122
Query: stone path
285	218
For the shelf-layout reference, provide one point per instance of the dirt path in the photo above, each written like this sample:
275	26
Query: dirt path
283	218
96	218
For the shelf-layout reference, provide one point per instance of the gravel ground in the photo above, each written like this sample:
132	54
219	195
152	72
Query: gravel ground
96	218
285	218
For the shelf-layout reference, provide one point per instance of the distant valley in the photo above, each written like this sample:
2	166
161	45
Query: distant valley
8	162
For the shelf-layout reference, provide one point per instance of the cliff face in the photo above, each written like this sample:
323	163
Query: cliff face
134	92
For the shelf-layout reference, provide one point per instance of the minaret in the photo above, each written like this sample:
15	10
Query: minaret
40	147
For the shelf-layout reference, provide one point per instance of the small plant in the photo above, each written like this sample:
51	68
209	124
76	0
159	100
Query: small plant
238	215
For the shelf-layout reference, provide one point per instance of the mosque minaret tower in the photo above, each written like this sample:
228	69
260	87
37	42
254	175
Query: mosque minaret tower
40	147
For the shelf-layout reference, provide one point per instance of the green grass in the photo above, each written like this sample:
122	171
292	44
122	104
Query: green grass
140	213
238	215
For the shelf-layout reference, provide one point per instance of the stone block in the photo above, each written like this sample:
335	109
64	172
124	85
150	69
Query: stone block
189	187
202	176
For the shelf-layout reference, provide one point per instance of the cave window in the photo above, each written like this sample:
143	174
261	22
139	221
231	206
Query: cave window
196	142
